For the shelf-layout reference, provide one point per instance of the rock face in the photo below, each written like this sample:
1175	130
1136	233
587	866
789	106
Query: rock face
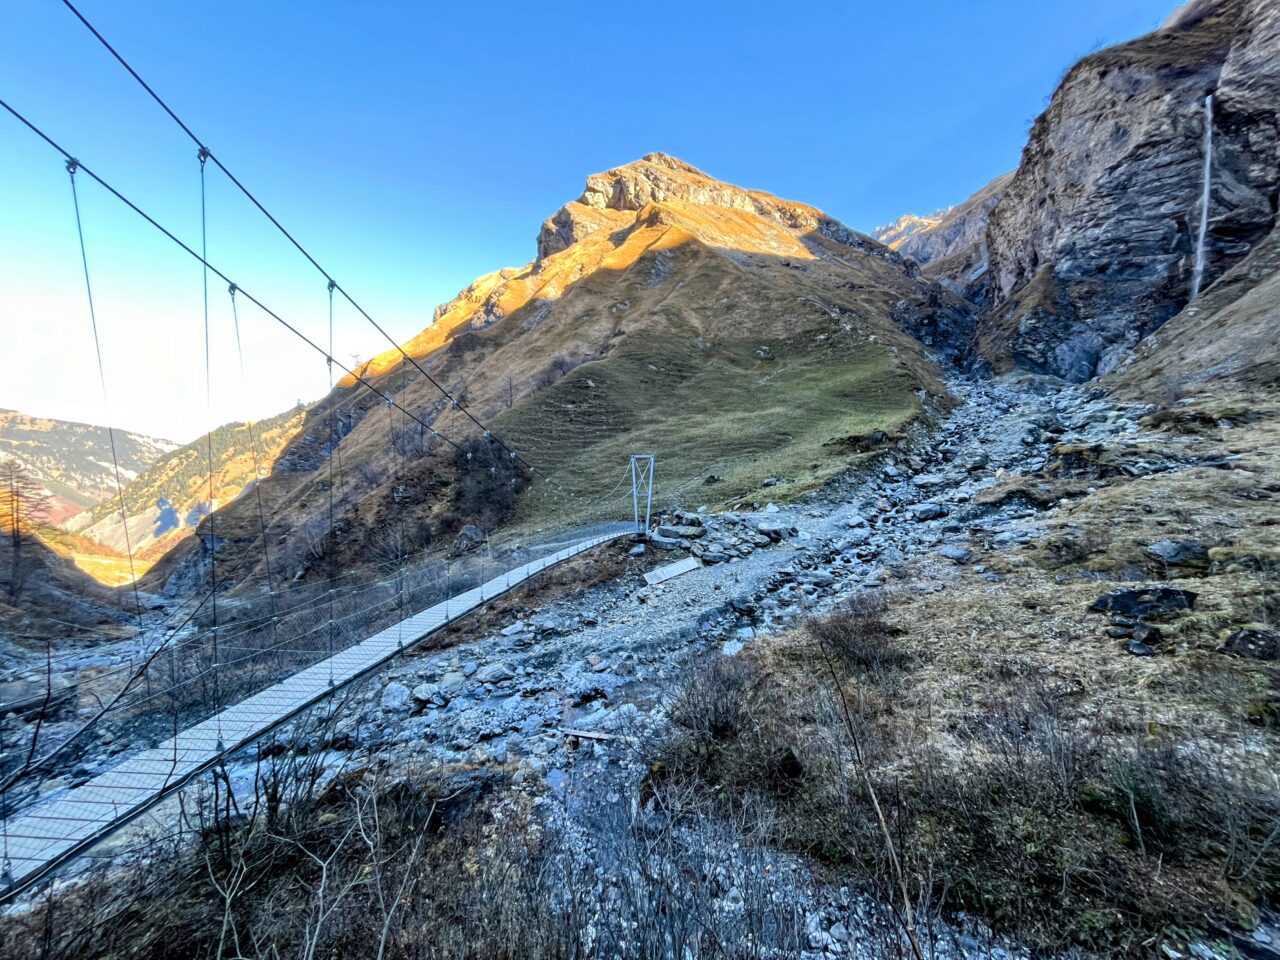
1229	332
951	244
1092	245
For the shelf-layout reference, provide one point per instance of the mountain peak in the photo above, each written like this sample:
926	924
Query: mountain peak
658	178
671	163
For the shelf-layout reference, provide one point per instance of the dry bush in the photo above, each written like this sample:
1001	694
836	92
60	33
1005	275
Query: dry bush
728	734
857	638
1028	818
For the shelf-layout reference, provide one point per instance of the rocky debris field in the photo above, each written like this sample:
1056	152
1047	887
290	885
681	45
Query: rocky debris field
565	697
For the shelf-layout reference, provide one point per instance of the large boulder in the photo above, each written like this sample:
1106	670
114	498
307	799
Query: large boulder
927	511
1150	603
1179	553
494	673
774	530
396	698
469	538
1257	643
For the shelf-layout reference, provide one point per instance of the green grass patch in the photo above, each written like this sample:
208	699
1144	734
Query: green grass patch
718	411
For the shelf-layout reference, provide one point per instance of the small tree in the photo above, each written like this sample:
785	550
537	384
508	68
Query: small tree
24	505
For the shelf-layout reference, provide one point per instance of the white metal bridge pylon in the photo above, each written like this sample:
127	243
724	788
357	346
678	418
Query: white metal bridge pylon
642	487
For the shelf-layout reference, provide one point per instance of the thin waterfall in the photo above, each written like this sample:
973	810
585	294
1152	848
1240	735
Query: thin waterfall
1197	274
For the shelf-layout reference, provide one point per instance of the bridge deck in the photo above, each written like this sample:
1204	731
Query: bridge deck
37	842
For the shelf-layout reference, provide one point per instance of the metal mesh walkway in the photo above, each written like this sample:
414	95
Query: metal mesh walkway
43	839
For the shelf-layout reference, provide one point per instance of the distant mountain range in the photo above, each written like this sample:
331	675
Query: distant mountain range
165	485
166	502
73	460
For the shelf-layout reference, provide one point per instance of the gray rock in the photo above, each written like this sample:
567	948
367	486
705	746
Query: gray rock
1179	553
1140	649
772	529
429	693
452	683
494	673
927	510
682	532
512	629
396	698
470	538
956	553
1145	604
927	480
1257	643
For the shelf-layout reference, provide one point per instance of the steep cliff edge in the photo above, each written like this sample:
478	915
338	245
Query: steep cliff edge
1229	333
1093	244
950	244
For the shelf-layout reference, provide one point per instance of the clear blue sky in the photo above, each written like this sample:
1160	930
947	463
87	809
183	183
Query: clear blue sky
414	146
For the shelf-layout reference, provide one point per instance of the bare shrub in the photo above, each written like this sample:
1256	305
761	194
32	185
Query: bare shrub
716	703
1029	818
507	391
858	638
545	378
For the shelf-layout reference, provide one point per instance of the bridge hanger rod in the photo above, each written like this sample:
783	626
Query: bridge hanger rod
207	152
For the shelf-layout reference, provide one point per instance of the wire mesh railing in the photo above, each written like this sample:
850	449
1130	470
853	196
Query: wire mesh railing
46	834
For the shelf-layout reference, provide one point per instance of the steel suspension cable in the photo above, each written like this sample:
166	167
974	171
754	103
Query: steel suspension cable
288	236
72	166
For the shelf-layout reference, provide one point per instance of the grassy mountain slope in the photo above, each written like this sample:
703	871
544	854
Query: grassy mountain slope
55	596
73	460
730	333
737	336
166	502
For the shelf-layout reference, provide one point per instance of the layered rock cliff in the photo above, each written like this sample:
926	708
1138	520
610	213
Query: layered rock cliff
1093	245
950	244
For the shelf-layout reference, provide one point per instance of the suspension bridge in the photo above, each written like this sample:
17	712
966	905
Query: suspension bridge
217	676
